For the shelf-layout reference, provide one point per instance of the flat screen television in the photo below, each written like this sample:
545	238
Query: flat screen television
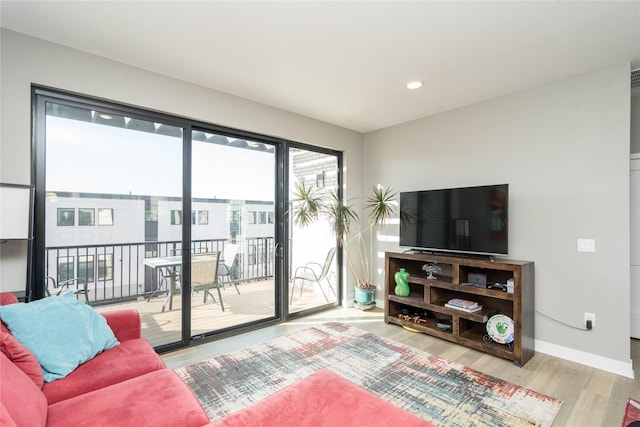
469	220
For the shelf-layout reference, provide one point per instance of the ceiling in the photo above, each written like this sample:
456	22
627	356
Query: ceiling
346	63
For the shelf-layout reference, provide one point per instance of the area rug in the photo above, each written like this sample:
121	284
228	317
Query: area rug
443	392
631	413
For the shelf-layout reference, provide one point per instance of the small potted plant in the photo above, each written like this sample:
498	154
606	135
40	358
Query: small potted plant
310	203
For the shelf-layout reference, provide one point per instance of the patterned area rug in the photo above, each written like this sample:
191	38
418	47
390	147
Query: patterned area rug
438	390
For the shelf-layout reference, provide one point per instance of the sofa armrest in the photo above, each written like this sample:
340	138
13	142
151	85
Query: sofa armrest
7	298
125	324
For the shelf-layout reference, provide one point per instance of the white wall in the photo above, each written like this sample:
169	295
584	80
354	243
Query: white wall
564	150
26	60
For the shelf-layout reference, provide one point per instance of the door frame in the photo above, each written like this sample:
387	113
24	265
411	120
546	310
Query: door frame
36	268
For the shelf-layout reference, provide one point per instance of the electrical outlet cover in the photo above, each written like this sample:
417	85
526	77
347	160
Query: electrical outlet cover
590	316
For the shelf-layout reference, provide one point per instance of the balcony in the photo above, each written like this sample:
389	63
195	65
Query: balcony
123	281
255	302
115	273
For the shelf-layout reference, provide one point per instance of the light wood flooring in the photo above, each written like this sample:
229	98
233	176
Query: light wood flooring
591	397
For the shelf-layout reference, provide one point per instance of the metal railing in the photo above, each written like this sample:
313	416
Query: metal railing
116	273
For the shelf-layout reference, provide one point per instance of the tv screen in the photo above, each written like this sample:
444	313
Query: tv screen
468	220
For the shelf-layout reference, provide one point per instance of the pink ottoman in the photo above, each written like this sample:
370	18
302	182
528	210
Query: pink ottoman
323	399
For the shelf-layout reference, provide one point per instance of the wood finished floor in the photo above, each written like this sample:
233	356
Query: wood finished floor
591	397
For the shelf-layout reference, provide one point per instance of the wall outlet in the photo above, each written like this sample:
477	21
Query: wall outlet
590	316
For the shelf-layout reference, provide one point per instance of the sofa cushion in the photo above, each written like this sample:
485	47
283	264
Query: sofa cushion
7	298
61	332
21	357
323	399
22	401
5	419
130	359
158	399
126	324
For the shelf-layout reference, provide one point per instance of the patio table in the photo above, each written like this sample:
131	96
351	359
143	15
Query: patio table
169	262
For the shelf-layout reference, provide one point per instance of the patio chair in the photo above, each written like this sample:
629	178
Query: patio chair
226	265
314	273
80	285
204	275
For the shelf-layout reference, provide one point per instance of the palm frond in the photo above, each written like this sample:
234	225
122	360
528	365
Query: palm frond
341	216
382	204
307	204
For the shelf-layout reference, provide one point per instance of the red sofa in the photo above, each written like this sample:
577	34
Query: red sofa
128	385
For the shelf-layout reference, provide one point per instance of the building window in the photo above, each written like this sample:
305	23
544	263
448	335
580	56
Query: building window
105	216
270	218
262	218
251	258
66	217
193	217
235	228
65	268
176	217
203	217
86	216
105	267
86	268
151	251
252	217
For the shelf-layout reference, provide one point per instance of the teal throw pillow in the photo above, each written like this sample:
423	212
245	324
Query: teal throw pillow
61	332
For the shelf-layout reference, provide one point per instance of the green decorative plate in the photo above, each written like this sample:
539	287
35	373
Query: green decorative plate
500	328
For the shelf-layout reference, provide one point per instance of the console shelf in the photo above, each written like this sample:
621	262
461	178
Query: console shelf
424	308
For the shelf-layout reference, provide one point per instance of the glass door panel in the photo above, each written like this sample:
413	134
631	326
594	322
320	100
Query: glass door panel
313	275
233	231
113	214
113	224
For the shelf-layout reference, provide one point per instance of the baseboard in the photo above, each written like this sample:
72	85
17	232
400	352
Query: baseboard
584	358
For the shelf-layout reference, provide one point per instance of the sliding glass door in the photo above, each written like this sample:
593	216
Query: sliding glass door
313	257
232	231
185	222
112	188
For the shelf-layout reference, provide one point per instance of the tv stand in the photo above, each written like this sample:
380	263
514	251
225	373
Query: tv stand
424	308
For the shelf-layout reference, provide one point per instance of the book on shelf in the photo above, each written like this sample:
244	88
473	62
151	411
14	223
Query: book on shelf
463	303
466	310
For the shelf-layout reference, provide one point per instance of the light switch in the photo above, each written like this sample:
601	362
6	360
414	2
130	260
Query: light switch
586	245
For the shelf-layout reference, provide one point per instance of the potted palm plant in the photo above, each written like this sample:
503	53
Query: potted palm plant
309	203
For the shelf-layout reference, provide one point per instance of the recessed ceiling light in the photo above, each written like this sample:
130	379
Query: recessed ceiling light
414	85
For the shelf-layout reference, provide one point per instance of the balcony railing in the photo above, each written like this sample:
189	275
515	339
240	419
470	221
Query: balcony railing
116	273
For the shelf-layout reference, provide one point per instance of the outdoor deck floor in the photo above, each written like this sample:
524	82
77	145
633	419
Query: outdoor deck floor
255	302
